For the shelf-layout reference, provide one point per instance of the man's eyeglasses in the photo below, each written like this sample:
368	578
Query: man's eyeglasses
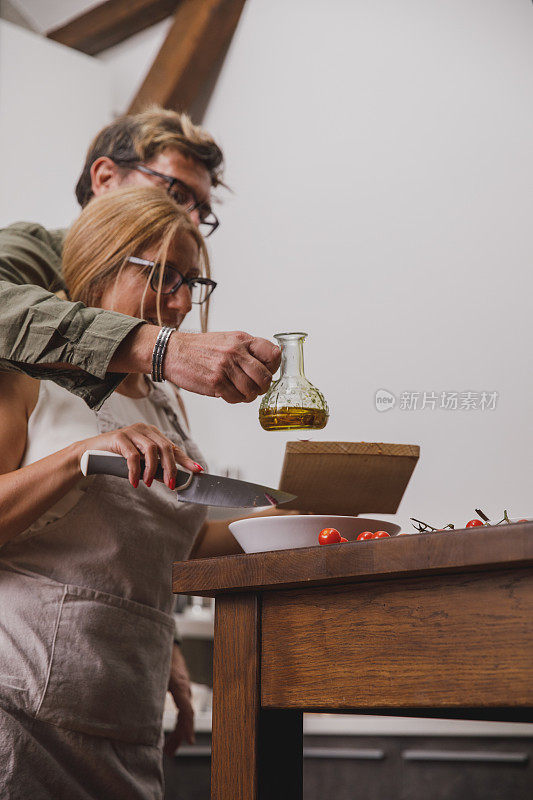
200	288
183	195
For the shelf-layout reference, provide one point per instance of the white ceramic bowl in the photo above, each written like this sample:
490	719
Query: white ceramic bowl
300	530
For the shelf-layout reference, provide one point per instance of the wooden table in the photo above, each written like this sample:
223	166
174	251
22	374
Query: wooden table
427	625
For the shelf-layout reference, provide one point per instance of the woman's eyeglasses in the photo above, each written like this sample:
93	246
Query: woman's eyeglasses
183	195
200	288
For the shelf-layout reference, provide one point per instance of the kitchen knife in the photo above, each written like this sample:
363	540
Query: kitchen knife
201	488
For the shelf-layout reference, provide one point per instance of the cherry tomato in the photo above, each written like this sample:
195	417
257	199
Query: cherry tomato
474	523
381	535
343	539
329	536
365	535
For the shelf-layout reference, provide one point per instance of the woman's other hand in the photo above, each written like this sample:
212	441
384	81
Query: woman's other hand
147	442
179	686
215	538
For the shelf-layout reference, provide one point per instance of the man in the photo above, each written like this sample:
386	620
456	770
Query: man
89	351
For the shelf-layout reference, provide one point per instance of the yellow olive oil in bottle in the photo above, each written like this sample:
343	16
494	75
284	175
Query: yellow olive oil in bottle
292	402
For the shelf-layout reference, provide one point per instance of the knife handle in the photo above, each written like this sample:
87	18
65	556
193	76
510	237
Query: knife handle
102	462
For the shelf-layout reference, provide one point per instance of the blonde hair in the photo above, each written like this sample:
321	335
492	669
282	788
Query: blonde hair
135	138
124	223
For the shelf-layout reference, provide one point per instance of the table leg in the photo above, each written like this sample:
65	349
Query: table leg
236	698
256	754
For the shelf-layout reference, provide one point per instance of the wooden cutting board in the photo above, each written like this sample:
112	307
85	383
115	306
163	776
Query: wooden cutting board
347	478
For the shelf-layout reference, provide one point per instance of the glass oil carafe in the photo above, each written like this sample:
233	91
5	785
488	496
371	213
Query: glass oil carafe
292	402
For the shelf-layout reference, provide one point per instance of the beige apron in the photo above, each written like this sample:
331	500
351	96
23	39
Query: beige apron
86	632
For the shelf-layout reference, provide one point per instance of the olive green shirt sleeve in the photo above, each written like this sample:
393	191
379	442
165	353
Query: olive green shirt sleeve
38	328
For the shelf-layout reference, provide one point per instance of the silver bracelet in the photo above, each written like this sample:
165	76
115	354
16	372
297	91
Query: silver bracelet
159	353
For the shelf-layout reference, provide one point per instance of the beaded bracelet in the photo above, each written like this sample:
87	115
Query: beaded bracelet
159	353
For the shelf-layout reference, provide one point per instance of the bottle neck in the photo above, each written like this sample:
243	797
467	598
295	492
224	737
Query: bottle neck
292	358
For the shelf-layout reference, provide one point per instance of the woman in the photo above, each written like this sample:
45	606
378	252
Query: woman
86	624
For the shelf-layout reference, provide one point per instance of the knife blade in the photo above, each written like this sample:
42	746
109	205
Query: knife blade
202	488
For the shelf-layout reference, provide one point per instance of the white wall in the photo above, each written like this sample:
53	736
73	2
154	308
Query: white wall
381	159
45	15
52	101
129	61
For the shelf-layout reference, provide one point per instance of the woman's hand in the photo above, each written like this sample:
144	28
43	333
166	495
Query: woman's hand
142	441
215	538
179	685
27	492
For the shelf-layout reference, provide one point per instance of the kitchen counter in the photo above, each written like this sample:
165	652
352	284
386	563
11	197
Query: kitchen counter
193	624
368	725
433	625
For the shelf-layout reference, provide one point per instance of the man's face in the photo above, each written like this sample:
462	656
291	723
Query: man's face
169	162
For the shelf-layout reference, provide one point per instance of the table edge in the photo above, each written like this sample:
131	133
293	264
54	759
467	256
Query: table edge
472	550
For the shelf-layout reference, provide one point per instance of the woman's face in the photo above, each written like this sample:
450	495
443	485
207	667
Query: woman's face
126	292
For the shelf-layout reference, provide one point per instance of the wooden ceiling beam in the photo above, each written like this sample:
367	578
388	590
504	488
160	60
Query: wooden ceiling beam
197	38
110	23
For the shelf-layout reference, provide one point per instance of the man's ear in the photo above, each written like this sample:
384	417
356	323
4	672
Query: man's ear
105	175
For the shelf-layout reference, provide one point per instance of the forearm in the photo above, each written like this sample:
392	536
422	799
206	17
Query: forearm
28	492
37	328
216	539
47	337
134	353
53	339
